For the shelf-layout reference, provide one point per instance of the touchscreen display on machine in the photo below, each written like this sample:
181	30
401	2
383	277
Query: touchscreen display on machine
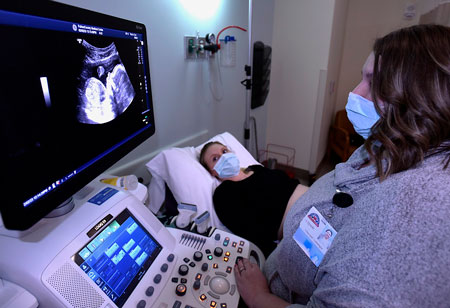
118	257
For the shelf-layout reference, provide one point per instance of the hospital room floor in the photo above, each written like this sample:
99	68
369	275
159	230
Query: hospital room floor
327	165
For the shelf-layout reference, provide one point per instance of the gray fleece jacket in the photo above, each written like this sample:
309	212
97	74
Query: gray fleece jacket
392	248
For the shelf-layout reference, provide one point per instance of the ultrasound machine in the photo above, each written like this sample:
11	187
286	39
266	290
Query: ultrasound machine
76	97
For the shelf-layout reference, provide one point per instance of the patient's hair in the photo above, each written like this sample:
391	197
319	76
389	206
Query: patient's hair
411	77
202	153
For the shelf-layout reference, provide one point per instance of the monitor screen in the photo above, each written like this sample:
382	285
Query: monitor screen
118	257
75	98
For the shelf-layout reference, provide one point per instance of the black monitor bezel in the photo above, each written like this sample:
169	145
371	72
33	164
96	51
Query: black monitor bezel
16	216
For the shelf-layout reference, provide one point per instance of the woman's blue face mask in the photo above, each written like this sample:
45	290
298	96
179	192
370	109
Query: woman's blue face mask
362	113
227	166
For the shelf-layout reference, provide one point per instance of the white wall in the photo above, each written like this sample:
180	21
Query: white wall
186	112
425	6
301	42
366	21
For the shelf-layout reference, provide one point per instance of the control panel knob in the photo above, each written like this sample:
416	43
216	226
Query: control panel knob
198	256
204	267
196	285
218	251
183	270
181	289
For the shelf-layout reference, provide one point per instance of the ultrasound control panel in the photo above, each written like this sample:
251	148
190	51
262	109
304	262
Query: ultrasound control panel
127	258
204	271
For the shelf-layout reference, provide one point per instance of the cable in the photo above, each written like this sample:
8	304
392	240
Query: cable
215	79
237	27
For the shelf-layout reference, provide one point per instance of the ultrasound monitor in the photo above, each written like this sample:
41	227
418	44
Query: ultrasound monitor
75	98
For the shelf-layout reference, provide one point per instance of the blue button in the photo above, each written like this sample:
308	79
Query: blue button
164	267
157	278
149	291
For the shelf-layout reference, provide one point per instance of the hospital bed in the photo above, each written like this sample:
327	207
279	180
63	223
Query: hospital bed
179	171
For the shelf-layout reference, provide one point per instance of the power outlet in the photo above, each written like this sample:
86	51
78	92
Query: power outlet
194	47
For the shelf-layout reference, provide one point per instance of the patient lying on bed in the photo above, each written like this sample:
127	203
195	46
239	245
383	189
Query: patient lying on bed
252	202
252	205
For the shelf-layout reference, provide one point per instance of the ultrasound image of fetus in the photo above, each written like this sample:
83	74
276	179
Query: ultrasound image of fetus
105	90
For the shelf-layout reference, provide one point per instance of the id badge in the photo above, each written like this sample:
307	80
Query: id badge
314	235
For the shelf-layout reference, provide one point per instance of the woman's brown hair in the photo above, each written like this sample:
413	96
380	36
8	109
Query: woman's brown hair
411	83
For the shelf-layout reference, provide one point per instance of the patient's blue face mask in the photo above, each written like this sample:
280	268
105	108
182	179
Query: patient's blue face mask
362	113
227	166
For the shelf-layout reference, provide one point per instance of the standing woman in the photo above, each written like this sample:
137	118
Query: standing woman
387	207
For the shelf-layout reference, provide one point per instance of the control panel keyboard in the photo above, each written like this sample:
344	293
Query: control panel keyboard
203	275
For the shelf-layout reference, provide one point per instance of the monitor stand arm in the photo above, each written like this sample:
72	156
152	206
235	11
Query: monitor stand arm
62	209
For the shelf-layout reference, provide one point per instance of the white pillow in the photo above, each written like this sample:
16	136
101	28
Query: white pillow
187	179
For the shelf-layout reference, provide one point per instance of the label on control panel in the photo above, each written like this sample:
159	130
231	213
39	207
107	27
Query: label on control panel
103	196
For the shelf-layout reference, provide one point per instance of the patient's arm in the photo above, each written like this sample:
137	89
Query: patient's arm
298	192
